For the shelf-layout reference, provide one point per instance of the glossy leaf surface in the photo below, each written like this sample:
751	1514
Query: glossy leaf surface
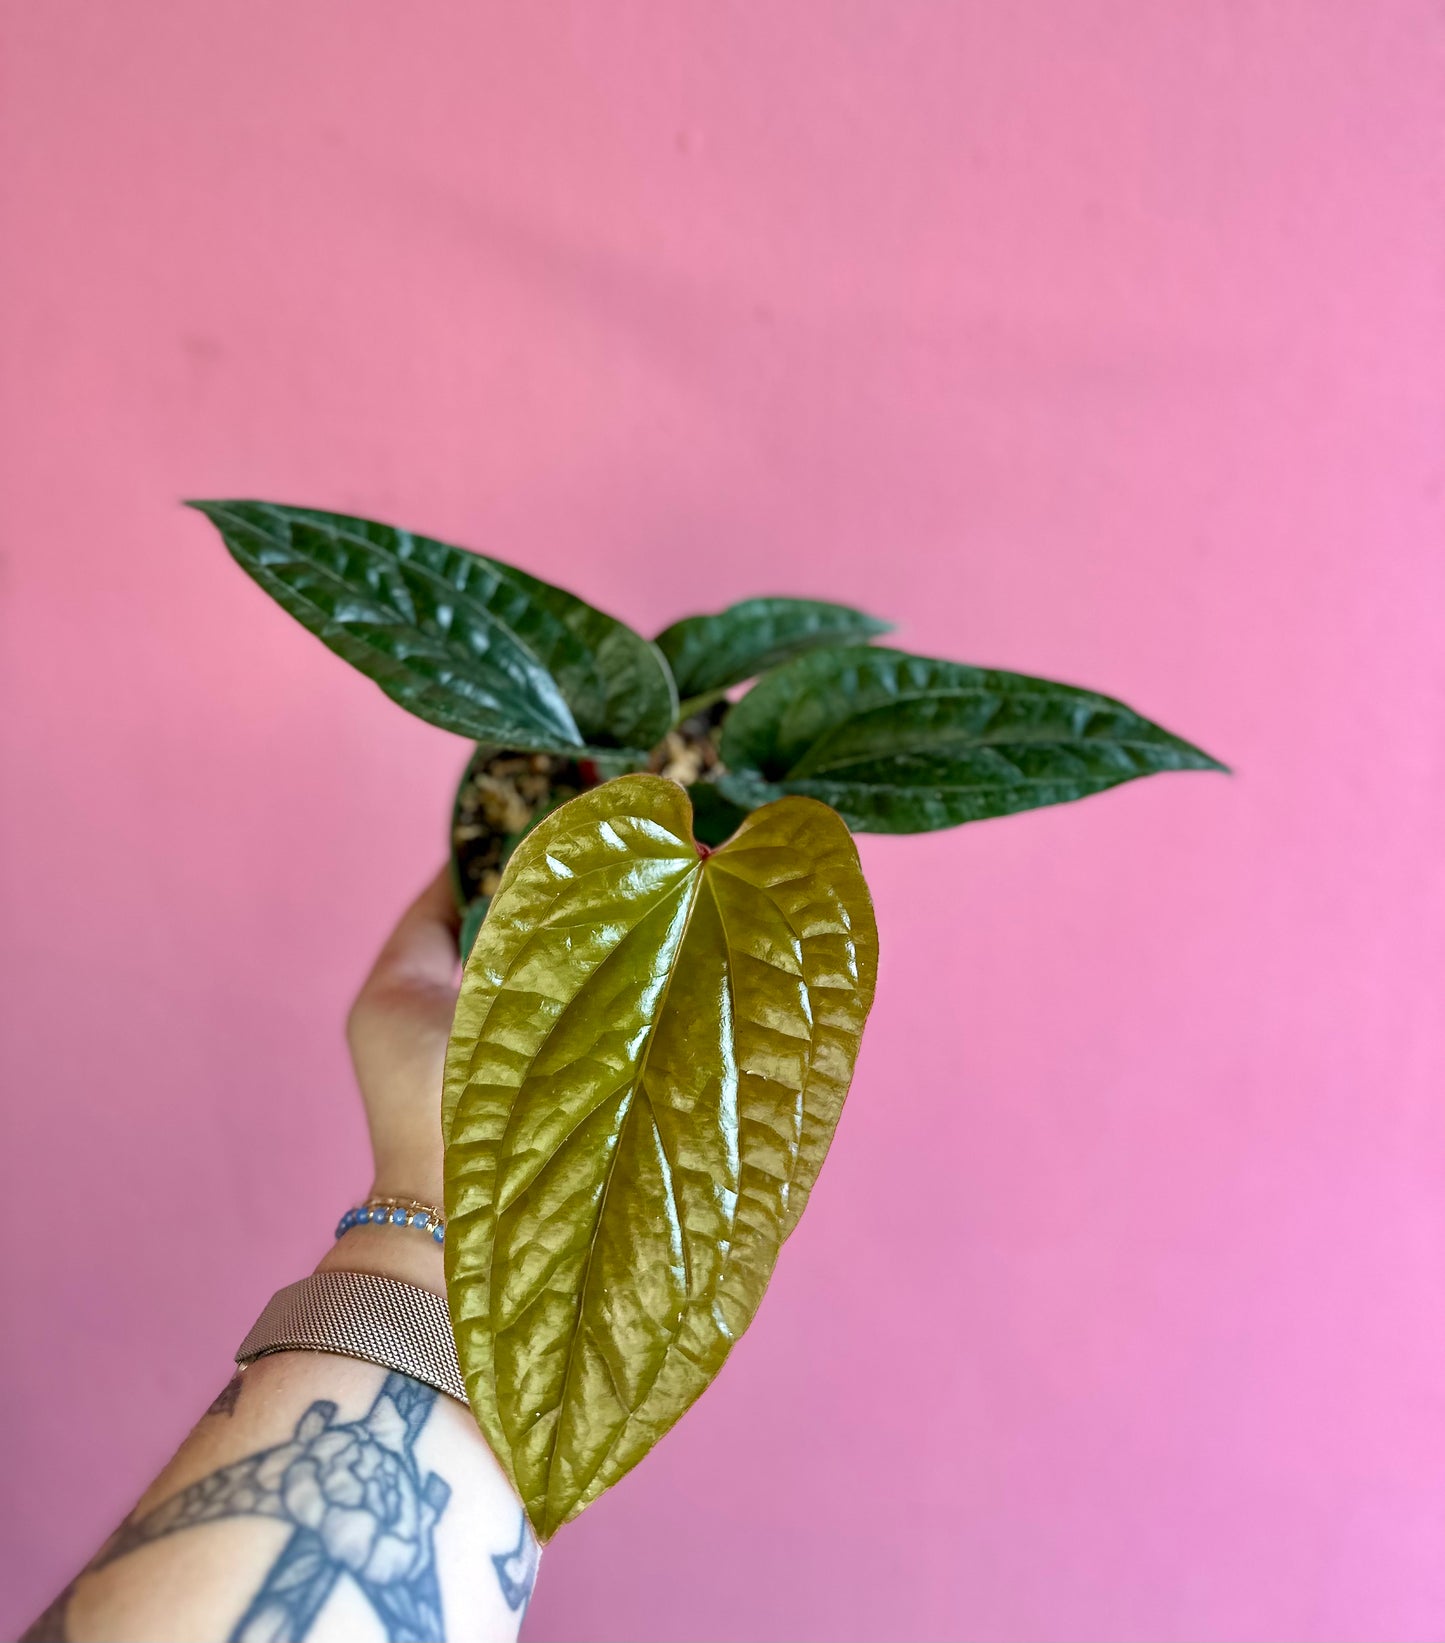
650	1054
708	653
462	641
903	744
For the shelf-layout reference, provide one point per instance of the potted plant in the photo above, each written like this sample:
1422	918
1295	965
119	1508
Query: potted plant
672	949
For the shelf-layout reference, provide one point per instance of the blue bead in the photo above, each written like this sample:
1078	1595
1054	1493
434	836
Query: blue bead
420	1218
398	1217
439	1234
363	1215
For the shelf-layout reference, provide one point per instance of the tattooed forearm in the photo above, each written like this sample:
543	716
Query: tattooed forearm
359	1509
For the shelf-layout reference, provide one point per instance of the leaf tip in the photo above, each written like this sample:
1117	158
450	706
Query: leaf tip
211	507
1207	761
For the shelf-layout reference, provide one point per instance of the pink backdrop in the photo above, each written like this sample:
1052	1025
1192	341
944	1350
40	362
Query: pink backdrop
1095	339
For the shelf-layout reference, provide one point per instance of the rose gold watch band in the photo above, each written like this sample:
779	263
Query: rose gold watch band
362	1315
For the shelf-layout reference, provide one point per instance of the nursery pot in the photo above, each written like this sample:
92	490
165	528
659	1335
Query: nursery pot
503	793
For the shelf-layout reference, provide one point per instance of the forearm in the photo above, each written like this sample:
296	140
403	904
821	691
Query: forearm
319	1497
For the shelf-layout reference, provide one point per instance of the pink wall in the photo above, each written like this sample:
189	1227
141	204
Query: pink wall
1098	339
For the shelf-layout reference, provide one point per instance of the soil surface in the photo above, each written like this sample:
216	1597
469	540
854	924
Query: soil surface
504	791
500	794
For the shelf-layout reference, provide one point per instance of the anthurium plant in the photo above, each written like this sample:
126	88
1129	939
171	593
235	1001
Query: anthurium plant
671	948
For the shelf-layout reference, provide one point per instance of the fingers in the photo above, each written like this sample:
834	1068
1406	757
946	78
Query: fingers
423	946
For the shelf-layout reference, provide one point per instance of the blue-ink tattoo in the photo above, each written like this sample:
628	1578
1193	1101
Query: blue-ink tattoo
359	1507
517	1569
225	1401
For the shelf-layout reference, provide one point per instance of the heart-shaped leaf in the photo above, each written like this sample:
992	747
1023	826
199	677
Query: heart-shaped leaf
464	642
709	653
650	1054
903	744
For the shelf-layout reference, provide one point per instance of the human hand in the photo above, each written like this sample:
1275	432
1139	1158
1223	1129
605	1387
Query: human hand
397	1031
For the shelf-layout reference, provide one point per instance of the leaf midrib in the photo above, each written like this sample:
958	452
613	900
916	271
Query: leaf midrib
838	769
806	785
978	694
725	1254
404	622
569	1371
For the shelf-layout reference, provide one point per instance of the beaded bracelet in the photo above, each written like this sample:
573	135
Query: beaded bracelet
396	1212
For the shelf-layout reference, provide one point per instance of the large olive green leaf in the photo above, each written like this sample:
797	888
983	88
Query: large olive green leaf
709	653
650	1054
903	744
464	642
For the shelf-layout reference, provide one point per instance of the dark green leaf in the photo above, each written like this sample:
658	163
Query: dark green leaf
464	642
709	653
902	744
714	818
650	1055
472	916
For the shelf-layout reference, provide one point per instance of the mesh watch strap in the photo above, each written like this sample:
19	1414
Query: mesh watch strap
362	1315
